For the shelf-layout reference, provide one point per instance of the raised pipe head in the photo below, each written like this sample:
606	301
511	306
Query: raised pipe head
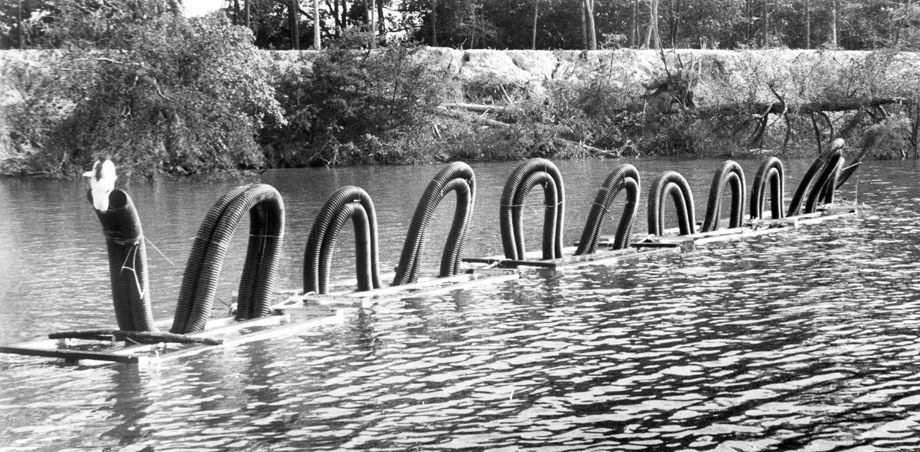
101	183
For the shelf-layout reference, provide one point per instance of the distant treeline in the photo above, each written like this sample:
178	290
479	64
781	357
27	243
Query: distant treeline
517	24
136	81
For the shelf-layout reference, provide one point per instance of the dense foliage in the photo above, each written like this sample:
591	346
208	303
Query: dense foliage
355	107
165	93
160	93
543	24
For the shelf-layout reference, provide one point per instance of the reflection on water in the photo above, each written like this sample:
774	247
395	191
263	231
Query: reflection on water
805	341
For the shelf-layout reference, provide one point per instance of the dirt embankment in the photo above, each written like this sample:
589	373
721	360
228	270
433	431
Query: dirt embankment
717	76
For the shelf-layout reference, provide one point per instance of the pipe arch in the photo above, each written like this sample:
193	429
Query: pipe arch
771	170
811	179
673	184
348	202
456	177
822	191
624	177
266	232
523	178
732	175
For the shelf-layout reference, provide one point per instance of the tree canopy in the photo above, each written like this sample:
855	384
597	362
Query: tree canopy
515	24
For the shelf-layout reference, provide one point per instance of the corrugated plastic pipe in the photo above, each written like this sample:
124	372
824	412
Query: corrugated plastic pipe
348	202
124	240
770	170
623	177
822	190
523	178
729	174
260	269
457	177
673	184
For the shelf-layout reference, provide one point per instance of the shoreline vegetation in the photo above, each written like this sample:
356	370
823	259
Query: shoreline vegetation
194	96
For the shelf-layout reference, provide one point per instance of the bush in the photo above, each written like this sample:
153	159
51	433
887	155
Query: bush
178	95
355	107
186	96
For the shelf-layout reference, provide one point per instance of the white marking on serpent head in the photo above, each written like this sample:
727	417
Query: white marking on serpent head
101	183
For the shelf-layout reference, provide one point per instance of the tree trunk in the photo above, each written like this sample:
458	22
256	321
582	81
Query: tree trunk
19	33
675	39
381	20
236	12
295	25
335	17
533	31
589	24
317	45
834	23
807	24
652	38
634	26
766	24
372	25
434	23
246	14
750	22
584	25
910	31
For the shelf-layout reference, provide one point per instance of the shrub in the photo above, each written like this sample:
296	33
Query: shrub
177	95
355	107
185	96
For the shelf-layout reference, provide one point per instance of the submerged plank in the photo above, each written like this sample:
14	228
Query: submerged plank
70	355
428	287
601	256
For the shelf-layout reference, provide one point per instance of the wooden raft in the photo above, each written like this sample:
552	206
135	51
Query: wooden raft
670	243
297	313
300	312
751	228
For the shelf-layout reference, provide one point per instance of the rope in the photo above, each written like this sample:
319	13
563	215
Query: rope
111	235
132	255
149	242
545	206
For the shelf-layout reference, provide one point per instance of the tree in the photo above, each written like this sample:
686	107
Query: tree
294	11
162	93
533	33
766	23
634	25
316	38
807	24
652	38
434	22
589	24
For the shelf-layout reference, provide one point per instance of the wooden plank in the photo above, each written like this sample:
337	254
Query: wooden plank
511	263
69	355
282	330
606	256
750	229
368	298
601	258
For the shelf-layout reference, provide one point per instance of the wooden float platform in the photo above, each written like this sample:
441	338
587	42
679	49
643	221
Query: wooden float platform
425	288
670	243
751	228
297	313
601	257
301	312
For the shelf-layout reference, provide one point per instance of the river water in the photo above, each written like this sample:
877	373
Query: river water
806	340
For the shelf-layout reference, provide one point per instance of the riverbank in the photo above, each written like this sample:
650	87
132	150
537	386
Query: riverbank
417	105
